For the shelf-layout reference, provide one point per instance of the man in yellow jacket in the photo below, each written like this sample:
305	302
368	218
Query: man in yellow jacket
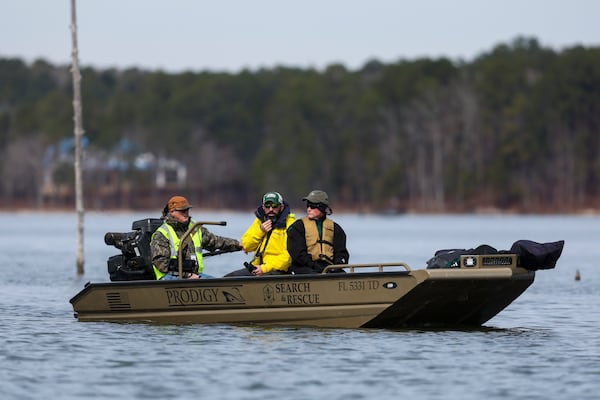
267	238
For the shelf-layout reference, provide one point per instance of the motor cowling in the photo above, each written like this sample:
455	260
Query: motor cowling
135	260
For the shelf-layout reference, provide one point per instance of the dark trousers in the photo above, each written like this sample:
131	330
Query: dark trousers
308	270
245	272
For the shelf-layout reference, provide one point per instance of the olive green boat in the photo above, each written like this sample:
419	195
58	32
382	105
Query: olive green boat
374	295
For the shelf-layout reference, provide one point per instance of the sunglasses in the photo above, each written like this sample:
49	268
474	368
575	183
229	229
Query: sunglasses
271	205
312	205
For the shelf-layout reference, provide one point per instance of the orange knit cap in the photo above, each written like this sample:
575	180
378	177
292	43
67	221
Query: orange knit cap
178	203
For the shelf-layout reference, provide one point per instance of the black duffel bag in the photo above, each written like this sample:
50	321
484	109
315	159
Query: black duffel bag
533	255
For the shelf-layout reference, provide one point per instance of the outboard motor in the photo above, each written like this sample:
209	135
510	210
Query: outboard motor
135	260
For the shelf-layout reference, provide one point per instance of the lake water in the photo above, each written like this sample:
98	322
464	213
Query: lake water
544	345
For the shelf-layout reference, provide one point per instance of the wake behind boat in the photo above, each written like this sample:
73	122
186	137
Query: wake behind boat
469	292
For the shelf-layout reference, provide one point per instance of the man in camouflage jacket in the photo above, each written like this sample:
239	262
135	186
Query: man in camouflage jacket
164	245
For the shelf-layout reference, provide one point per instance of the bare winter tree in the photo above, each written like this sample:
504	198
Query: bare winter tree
470	151
433	126
424	126
22	169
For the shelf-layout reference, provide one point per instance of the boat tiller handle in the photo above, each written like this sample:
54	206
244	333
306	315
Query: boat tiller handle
186	235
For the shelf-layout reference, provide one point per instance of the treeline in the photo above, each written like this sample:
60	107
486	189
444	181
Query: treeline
517	128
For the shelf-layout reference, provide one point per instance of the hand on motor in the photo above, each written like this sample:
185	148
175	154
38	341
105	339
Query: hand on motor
258	270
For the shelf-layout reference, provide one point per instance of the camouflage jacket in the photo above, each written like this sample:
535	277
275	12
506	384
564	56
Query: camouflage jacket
161	249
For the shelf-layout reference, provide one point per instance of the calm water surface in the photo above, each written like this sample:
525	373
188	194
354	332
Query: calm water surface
545	345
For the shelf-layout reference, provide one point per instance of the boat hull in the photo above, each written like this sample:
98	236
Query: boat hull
395	299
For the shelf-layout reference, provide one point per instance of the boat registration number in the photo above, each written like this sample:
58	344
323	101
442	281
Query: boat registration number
354	286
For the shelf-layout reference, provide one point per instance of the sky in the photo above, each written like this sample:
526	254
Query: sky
232	35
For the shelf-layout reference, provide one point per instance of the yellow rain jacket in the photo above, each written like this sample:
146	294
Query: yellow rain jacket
272	254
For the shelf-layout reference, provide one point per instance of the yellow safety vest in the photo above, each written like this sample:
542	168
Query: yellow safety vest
167	231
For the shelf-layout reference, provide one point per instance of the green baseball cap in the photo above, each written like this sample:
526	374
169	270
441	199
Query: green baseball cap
272	197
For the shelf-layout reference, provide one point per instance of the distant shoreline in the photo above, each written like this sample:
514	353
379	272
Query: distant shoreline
338	211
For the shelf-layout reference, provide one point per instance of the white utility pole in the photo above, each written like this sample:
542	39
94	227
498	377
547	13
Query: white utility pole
78	135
